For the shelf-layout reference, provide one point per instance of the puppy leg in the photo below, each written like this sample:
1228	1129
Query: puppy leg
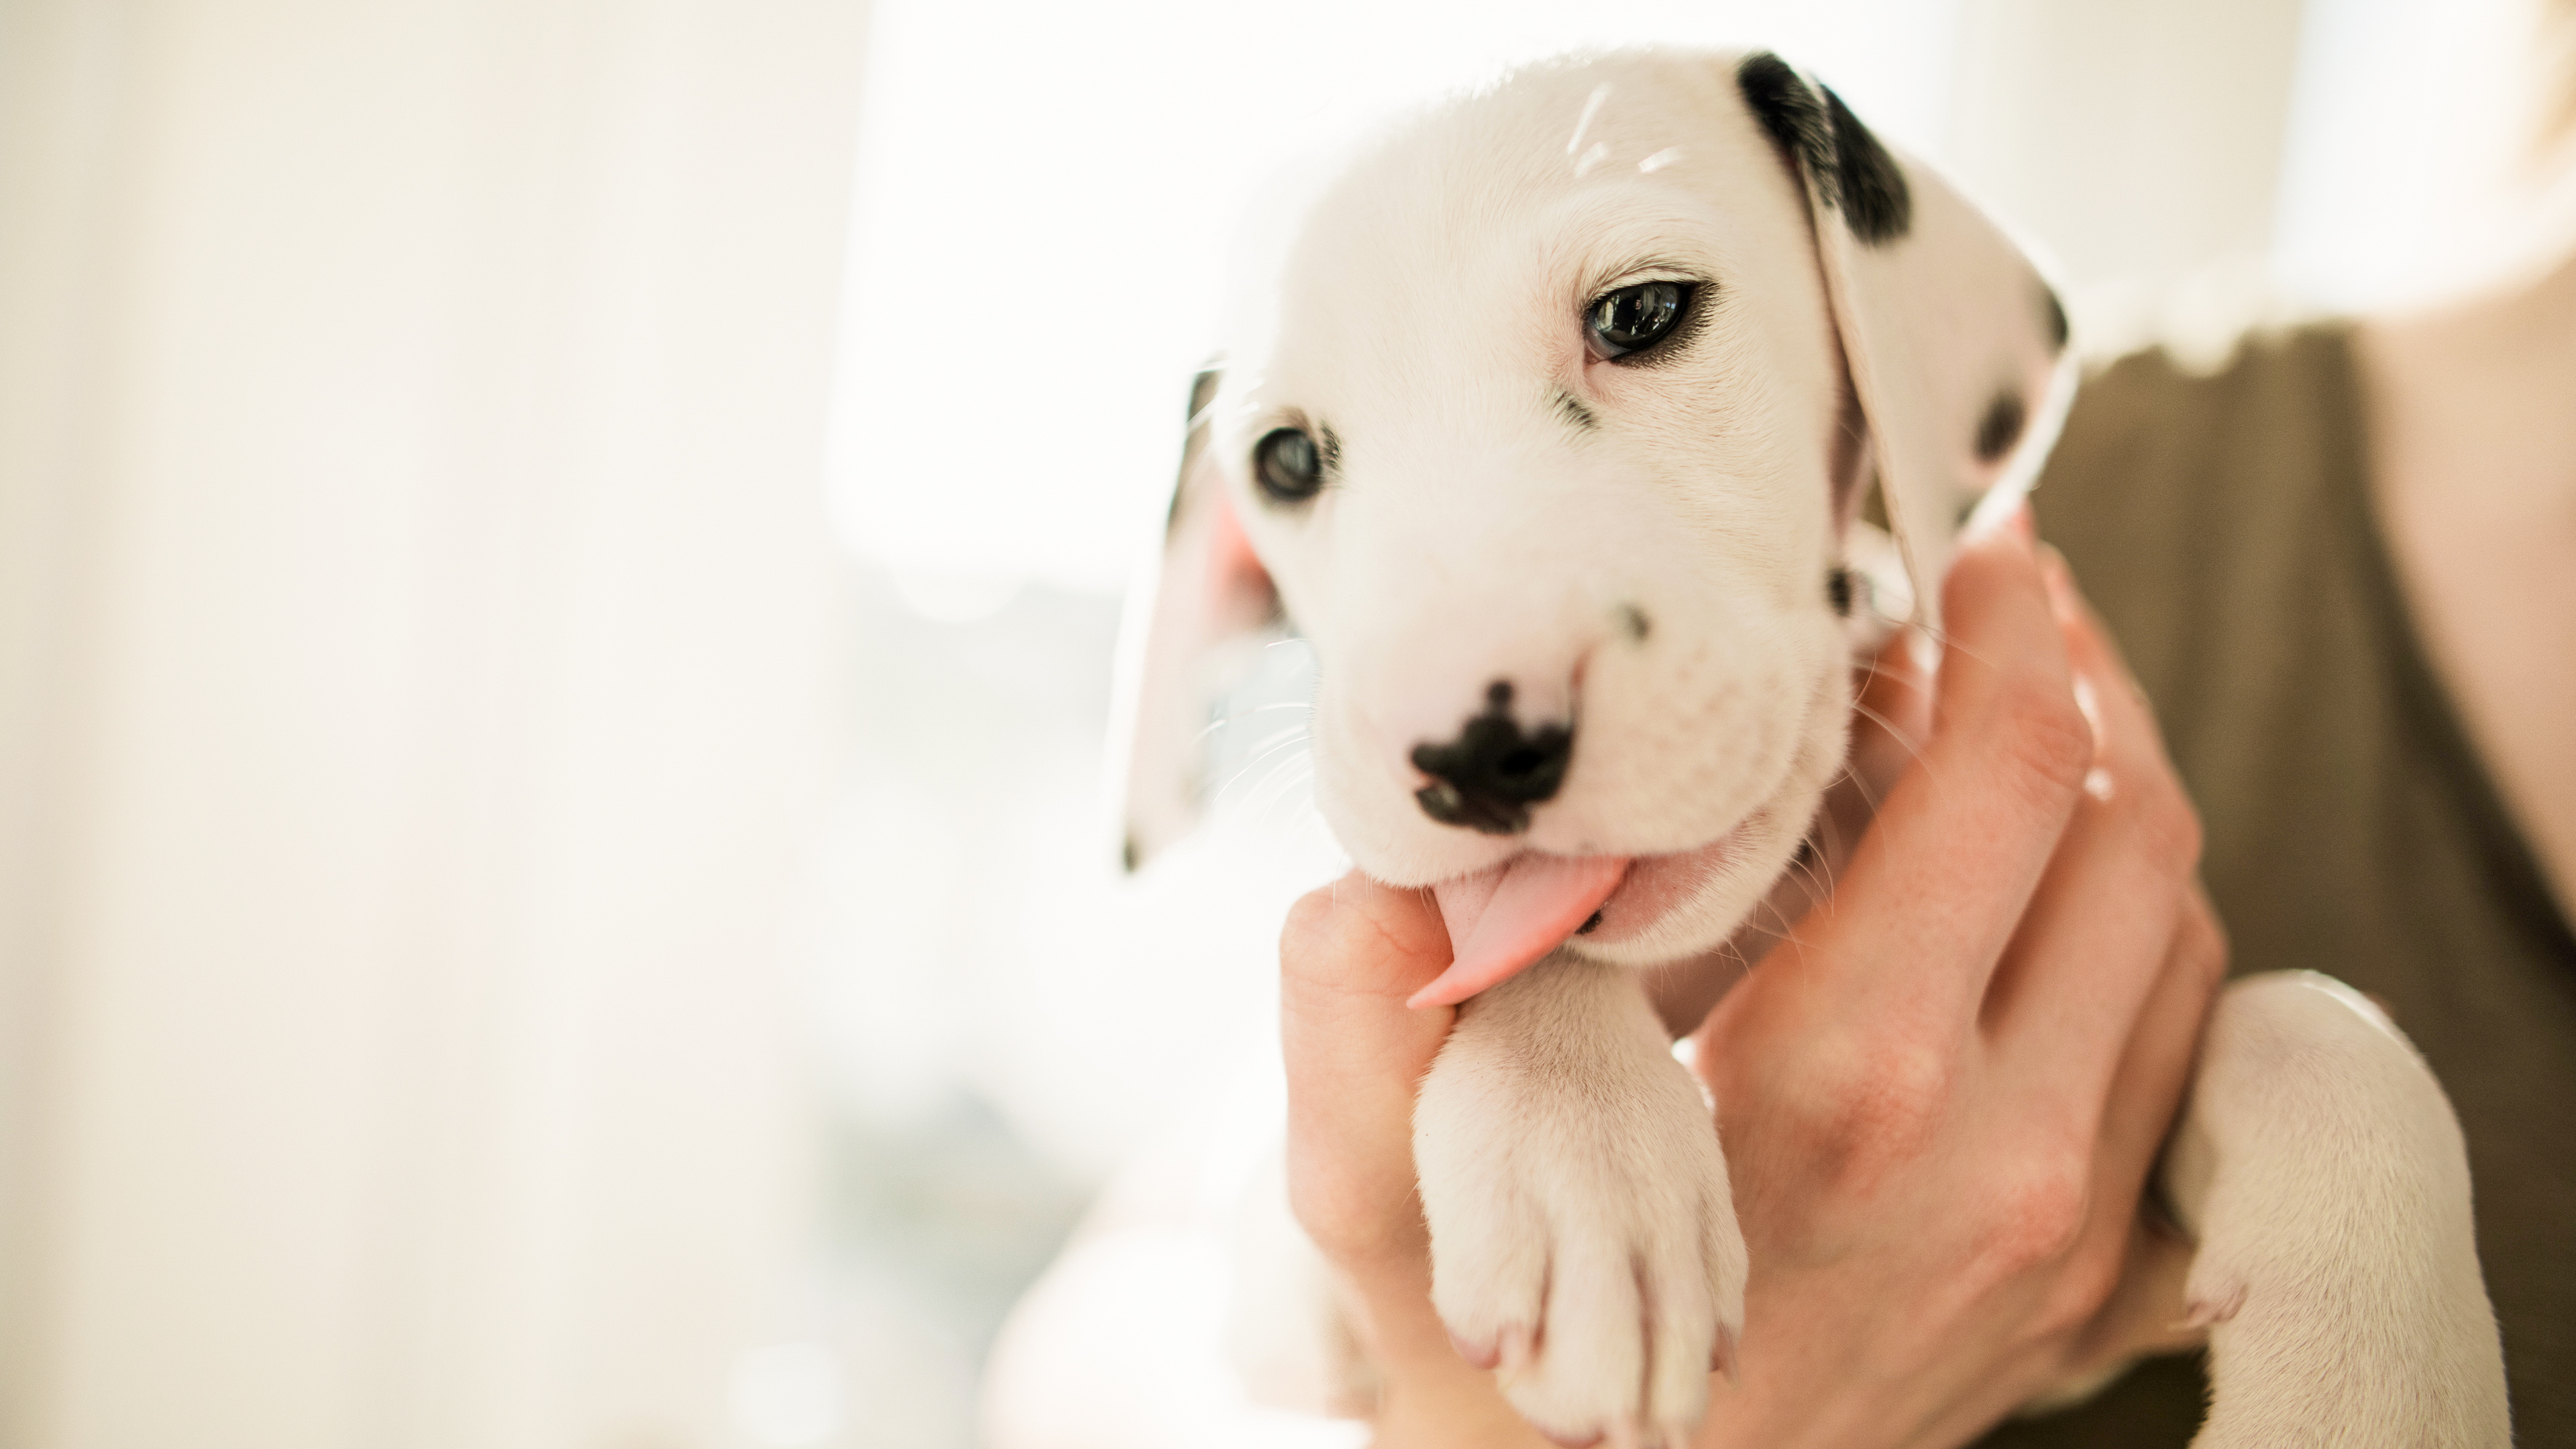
2321	1171
1582	1235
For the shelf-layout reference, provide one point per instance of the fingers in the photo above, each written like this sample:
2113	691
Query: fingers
2155	1069
1935	891
2100	925
1892	713
2146	1312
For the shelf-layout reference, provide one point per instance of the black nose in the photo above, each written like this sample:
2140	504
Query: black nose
1487	778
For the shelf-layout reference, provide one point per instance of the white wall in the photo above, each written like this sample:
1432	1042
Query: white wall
418	644
2139	142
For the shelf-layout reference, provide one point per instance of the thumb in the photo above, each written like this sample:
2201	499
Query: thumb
1350	956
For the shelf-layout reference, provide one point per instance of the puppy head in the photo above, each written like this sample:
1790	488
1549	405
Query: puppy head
1551	440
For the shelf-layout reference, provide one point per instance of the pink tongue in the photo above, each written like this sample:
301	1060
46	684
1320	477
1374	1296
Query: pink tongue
1502	920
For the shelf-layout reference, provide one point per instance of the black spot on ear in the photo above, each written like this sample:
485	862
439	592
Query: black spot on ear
1591	923
1571	408
2001	427
1875	199
1634	623
1838	590
2052	314
1787	108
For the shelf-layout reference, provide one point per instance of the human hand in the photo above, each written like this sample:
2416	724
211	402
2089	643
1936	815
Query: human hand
1940	1095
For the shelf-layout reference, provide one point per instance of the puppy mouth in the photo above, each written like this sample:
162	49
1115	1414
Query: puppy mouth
1503	919
1657	885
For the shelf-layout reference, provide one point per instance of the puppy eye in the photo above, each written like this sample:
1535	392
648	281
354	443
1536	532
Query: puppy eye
1632	319
1287	465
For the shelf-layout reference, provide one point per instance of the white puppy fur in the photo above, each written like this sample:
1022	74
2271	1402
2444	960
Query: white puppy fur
1645	550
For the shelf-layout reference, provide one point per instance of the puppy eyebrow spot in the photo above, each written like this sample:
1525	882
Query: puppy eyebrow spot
1571	408
1634	623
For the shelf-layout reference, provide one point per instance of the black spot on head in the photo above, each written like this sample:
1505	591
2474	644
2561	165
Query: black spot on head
1634	623
2001	427
1838	590
1590	924
1129	855
1571	408
1874	196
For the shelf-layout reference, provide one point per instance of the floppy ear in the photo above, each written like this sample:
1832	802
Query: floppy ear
1955	345
1208	600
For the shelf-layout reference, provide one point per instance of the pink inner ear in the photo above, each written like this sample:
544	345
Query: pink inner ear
1233	569
1214	588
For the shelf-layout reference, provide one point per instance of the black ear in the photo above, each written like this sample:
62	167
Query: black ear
1874	197
1787	108
1848	167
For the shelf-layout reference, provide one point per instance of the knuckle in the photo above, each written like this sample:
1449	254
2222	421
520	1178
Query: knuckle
1877	1104
2203	944
2085	1284
2039	1214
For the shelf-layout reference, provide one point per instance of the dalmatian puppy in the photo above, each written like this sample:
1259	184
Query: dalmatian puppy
1555	442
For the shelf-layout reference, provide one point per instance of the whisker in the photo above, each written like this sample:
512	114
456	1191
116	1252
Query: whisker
1909	679
1811	881
1286	776
1223	721
1889	725
1286	740
1868	796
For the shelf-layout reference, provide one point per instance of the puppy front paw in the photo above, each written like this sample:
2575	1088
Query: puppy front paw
2327	1183
1583	1241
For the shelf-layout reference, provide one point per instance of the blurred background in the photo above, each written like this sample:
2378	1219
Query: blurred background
561	571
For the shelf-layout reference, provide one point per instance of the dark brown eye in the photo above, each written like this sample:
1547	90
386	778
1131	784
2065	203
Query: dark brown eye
1633	319
1287	465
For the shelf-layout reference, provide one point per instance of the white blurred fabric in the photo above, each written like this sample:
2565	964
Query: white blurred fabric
421	656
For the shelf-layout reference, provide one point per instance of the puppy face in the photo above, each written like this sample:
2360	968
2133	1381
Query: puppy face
1541	448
